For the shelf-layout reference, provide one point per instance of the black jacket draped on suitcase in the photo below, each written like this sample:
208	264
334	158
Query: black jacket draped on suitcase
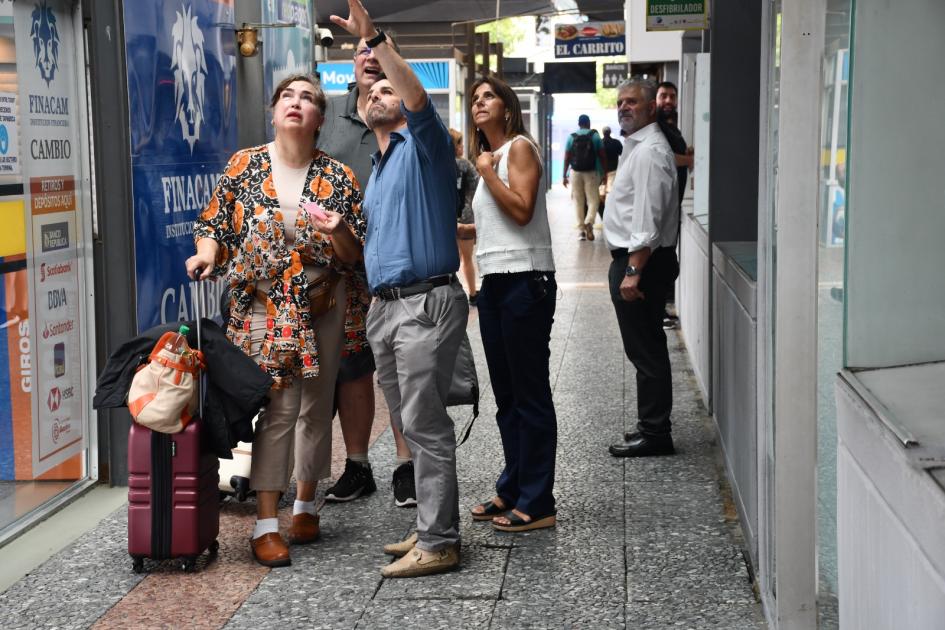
236	387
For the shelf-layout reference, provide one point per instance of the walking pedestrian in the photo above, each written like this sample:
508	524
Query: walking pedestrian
584	158
516	308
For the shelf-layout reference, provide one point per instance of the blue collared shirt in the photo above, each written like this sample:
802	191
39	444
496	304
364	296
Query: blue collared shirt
410	205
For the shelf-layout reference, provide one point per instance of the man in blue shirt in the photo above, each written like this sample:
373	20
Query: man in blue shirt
419	314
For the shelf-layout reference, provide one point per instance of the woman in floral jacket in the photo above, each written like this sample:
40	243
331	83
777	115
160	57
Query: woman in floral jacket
283	225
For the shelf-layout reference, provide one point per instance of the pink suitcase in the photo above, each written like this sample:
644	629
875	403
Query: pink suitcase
173	500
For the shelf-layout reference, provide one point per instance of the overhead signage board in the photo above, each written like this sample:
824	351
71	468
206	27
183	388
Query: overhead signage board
182	103
677	15
590	39
433	75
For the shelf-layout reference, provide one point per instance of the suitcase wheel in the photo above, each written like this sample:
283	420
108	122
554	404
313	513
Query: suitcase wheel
137	565
188	565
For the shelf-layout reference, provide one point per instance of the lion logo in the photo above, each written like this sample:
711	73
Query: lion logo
45	37
189	65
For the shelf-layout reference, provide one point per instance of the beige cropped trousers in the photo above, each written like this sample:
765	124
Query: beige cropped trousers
284	431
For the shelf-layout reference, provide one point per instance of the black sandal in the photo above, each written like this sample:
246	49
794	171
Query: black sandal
519	524
489	510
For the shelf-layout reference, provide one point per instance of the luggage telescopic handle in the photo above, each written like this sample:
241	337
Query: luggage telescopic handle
199	308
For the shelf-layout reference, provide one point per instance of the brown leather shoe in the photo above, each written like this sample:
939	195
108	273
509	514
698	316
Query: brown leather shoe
304	529
270	550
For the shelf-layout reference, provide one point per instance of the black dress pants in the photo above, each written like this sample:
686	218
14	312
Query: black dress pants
644	340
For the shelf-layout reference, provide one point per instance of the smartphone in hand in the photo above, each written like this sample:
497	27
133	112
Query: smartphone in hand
481	139
315	210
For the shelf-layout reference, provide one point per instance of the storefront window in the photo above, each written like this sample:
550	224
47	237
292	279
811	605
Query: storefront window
44	339
832	221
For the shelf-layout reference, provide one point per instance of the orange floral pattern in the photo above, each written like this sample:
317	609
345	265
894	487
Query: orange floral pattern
253	248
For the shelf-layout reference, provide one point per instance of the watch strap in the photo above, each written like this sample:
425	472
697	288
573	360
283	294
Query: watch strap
377	40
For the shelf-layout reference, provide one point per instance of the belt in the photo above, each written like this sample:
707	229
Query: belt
424	286
623	251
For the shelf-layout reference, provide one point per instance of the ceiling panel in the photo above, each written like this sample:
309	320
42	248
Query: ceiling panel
392	11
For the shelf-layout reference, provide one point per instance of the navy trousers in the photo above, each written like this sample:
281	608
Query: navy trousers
516	311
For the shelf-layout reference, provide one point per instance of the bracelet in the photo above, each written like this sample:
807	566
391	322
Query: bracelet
377	40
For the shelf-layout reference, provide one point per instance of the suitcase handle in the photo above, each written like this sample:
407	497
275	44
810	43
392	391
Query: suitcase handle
200	308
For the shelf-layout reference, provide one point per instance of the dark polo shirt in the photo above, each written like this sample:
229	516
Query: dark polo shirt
345	137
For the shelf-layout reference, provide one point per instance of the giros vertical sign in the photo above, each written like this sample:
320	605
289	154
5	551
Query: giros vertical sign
49	137
181	91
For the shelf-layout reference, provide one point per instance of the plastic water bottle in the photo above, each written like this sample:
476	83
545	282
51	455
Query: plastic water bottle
178	343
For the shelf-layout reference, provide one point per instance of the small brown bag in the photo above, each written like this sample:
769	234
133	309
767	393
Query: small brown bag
321	291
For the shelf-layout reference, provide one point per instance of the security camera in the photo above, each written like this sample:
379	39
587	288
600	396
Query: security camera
325	38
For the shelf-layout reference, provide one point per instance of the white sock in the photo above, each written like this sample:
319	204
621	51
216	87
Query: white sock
361	458
307	507
403	460
265	526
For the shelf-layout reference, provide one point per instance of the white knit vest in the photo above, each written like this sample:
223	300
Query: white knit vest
503	246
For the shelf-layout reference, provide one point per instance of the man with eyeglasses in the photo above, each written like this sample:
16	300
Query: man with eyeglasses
346	137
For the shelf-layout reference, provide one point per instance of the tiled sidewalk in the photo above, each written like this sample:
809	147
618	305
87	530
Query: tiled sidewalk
639	544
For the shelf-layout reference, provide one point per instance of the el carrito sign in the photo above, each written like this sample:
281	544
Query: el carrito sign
590	39
676	15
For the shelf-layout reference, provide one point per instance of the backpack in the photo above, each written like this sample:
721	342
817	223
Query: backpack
163	394
583	155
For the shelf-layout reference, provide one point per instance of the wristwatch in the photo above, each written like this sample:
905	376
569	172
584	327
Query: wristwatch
377	40
631	271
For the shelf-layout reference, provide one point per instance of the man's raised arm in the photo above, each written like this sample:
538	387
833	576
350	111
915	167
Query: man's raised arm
398	72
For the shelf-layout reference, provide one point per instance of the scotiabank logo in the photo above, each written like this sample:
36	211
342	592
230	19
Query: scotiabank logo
59	328
48	271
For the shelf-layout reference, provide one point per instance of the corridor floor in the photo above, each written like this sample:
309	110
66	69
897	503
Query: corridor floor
639	543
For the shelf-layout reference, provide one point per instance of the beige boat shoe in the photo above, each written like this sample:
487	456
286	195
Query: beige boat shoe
418	562
402	548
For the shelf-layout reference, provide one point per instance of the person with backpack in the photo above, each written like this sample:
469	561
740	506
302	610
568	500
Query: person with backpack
584	157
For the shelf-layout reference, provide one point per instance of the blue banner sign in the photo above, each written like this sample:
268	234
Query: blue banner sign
590	39
434	75
181	59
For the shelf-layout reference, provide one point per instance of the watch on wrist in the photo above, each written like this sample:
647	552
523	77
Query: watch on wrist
377	40
631	271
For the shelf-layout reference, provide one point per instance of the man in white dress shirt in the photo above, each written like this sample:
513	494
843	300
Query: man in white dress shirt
640	225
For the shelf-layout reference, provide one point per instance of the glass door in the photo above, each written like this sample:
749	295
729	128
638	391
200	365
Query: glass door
45	325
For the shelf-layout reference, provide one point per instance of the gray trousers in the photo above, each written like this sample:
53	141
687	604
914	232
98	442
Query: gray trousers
415	341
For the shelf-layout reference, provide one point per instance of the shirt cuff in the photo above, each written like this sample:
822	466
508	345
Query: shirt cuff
639	240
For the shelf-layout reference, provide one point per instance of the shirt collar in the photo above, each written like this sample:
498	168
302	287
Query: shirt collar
640	135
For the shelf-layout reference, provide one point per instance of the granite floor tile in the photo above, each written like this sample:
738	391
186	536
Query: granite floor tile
552	611
432	614
694	614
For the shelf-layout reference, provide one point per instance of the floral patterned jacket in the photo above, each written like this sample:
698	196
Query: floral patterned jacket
243	216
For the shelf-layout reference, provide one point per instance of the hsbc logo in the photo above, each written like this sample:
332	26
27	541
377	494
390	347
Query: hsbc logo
48	271
56	396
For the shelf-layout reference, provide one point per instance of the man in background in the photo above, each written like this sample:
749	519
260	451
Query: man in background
584	157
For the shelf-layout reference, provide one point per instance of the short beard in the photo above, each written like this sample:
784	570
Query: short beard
382	118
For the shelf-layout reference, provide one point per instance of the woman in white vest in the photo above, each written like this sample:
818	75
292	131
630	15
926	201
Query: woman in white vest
516	307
